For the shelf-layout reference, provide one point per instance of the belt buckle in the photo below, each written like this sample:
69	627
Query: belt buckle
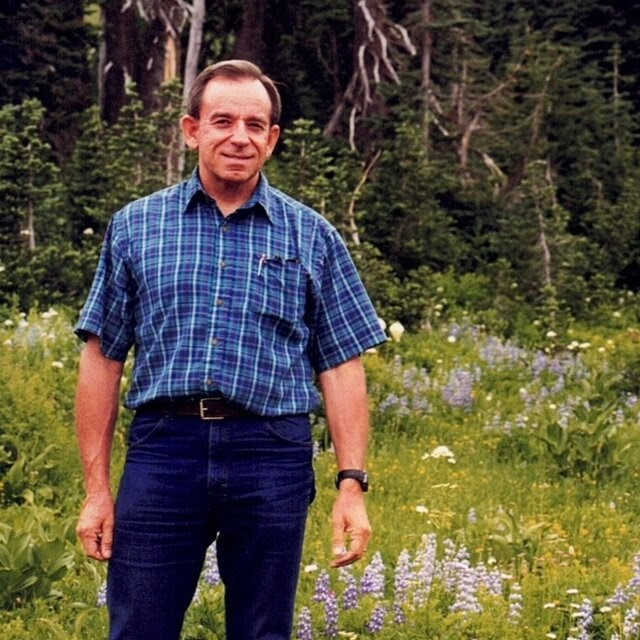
203	411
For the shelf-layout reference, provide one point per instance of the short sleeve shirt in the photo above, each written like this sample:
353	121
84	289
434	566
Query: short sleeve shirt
249	305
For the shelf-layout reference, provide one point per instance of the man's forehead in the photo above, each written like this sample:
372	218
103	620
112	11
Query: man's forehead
241	90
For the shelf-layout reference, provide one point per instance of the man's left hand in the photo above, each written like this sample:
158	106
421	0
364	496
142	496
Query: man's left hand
350	525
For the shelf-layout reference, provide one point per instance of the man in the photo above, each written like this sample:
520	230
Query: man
233	296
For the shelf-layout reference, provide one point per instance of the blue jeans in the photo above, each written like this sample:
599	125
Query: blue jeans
247	481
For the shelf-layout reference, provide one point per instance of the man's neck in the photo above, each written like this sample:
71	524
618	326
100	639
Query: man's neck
231	196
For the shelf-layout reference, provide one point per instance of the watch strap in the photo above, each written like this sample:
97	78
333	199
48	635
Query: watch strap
362	477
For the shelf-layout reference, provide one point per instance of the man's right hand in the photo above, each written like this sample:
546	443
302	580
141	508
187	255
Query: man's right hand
95	525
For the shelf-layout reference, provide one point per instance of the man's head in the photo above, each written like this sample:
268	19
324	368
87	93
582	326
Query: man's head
230	122
233	70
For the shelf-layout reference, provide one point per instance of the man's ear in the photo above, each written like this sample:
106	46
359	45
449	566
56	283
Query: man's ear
190	126
274	134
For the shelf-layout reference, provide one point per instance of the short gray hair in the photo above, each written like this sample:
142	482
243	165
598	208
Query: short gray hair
237	70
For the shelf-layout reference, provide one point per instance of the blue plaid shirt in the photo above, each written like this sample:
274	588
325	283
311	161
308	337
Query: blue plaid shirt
249	305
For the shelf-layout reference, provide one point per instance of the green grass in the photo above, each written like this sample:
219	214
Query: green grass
563	528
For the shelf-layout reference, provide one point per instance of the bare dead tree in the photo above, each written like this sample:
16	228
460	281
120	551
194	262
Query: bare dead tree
146	56
351	215
197	15
427	52
377	42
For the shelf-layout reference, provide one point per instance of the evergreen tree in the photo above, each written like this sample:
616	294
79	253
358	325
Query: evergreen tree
44	49
30	193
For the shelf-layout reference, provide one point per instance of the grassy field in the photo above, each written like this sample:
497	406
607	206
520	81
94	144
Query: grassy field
504	499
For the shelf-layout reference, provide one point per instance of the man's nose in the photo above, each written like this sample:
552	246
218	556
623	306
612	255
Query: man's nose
239	134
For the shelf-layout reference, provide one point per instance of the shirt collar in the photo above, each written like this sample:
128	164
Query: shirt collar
259	199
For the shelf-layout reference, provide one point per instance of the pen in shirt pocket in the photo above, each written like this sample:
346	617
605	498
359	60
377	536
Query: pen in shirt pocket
277	259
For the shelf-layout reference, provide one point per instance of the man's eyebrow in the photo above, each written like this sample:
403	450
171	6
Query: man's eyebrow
228	114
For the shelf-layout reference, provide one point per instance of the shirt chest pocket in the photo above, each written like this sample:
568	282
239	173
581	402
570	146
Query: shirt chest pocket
278	288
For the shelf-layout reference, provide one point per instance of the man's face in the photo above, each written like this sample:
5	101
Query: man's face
233	134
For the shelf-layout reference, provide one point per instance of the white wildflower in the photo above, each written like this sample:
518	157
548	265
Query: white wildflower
396	330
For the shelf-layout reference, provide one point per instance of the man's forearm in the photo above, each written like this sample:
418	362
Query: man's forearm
345	398
346	405
97	401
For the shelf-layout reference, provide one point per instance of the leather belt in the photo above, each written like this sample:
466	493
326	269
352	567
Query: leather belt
213	408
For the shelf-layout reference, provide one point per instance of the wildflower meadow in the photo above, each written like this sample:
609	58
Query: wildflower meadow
504	494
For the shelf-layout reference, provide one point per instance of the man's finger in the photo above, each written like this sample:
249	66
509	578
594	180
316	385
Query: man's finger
106	541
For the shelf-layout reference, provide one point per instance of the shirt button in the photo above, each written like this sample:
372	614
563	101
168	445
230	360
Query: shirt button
219	302
209	382
223	263
215	342
226	228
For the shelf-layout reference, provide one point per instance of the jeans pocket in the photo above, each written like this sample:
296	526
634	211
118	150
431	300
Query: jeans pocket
143	427
291	429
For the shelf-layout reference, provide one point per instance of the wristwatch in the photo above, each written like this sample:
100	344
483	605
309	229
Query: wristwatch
362	477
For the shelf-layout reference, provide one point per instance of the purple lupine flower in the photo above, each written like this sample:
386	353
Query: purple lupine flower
539	364
210	572
619	597
490	580
327	597
458	391
375	624
350	595
631	400
424	569
304	630
372	581
631	624
322	588
466	600
515	603
331	615
101	598
496	353
634	583
401	582
585	619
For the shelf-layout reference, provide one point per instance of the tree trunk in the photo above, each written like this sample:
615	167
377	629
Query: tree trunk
198	14
119	48
427	49
149	72
250	44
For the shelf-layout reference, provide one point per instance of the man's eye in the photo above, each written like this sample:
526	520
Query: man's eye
221	122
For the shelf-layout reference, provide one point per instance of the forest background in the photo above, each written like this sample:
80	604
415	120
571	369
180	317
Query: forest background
480	159
480	153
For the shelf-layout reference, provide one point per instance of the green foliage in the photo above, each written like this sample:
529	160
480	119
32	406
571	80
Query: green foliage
33	556
590	445
548	530
403	216
316	172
